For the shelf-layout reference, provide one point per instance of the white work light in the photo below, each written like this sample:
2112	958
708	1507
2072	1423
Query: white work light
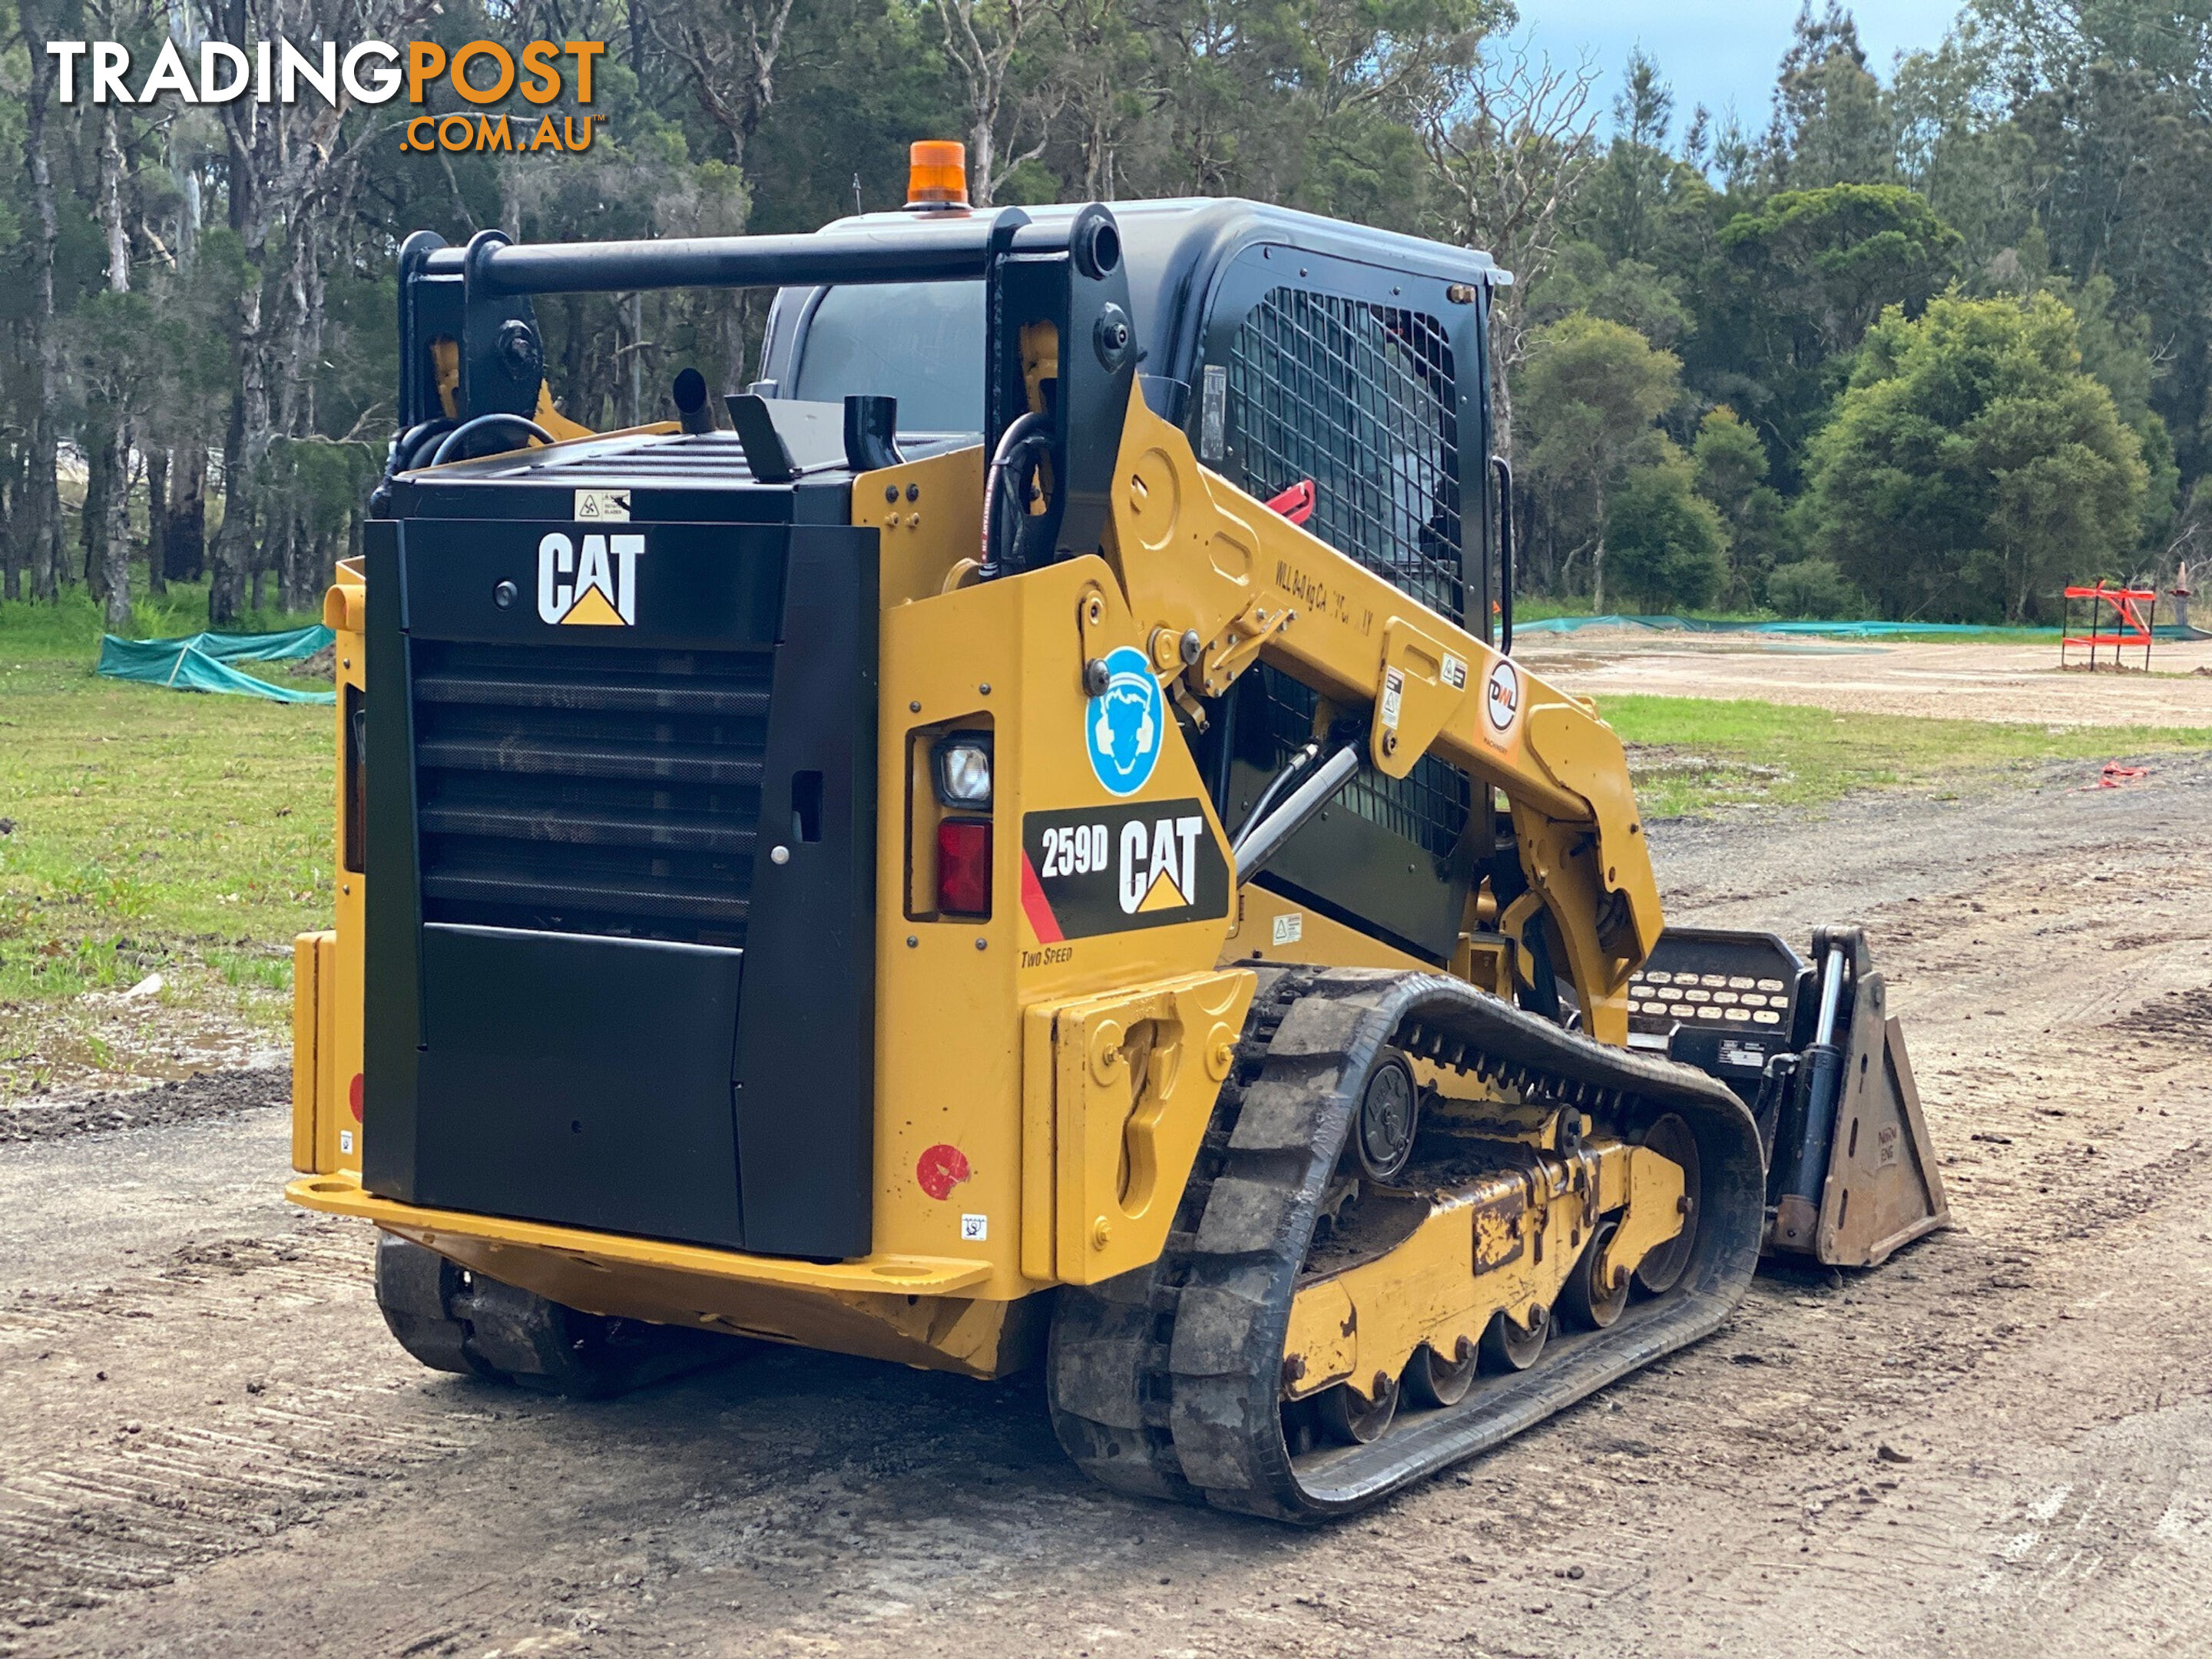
964	770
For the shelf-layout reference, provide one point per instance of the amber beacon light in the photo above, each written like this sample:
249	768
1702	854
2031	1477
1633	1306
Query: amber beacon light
937	175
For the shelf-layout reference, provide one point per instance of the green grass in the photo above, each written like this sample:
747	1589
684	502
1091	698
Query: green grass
1692	756
152	832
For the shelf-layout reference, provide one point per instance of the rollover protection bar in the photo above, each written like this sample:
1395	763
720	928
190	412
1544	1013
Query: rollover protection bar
926	250
471	348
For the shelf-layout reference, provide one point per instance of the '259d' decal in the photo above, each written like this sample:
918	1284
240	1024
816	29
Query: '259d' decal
1111	869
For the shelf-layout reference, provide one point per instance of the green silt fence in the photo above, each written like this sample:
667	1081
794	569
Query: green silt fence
201	662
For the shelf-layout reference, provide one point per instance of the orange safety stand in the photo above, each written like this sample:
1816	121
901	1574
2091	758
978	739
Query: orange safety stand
2124	602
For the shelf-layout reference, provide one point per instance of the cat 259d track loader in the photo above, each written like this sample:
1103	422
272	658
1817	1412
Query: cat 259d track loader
1014	841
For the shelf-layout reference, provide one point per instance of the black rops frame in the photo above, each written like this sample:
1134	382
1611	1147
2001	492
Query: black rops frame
1068	274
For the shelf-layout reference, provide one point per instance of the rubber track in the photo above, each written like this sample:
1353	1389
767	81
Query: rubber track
1165	1382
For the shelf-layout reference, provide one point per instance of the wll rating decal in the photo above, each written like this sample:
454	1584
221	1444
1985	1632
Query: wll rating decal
1110	869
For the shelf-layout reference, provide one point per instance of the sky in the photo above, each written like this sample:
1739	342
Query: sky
1716	51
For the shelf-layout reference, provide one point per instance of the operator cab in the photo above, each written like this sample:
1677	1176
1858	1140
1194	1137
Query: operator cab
1292	350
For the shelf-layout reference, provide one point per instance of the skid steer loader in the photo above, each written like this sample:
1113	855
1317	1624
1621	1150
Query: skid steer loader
1017	838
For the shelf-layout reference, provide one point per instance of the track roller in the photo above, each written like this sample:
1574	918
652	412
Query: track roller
1354	1419
1510	1345
1662	1269
1596	1293
1432	1380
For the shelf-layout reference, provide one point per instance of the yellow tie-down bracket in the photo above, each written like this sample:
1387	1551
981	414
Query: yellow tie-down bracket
1116	1091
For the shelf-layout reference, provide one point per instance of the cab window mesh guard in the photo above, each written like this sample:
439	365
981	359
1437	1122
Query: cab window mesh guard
1361	400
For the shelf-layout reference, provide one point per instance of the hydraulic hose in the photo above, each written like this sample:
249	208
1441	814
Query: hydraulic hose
454	439
1290	770
1819	1082
1031	427
1263	840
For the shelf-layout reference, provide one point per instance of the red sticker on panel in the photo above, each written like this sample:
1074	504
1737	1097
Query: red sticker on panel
353	1095
940	1170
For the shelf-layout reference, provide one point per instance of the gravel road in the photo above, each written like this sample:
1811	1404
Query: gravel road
2001	1442
2016	683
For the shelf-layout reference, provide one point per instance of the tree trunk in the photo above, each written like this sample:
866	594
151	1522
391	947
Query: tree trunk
233	536
184	540
636	316
11	546
110	203
43	504
1597	561
982	148
245	439
108	548
157	522
92	517
115	573
1501	381
285	556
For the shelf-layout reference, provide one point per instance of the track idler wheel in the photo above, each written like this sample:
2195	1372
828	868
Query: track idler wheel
1389	1113
1432	1380
1589	1300
1352	1418
1661	1270
1510	1346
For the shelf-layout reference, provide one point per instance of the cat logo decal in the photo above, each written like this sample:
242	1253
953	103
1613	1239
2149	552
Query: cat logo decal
595	588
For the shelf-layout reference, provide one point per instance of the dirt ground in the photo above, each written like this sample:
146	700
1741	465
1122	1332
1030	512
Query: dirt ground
1999	1444
2019	684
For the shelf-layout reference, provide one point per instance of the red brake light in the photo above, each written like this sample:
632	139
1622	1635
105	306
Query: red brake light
963	866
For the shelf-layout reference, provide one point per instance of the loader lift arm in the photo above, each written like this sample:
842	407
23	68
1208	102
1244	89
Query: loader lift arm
1197	555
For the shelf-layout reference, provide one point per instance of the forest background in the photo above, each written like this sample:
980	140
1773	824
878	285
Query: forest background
1930	340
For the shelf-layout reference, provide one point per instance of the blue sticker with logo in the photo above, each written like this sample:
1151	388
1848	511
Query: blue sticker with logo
1125	724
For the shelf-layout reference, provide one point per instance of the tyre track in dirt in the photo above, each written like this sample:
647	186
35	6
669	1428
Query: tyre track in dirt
195	1458
2036	1366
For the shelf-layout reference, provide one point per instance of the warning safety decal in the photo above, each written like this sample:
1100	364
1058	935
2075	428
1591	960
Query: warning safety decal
1111	869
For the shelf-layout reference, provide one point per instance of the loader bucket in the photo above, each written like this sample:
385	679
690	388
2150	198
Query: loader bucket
1877	1186
1811	1048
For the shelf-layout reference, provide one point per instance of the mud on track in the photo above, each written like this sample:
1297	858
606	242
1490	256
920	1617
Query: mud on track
260	1470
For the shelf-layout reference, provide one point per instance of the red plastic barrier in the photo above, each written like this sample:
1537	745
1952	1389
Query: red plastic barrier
2124	602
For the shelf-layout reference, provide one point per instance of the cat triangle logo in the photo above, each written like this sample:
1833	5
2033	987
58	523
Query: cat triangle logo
595	588
1162	895
592	611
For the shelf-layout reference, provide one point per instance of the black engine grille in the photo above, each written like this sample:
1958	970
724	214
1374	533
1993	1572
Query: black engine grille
588	789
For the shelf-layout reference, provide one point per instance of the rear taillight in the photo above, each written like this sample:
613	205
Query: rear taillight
963	868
